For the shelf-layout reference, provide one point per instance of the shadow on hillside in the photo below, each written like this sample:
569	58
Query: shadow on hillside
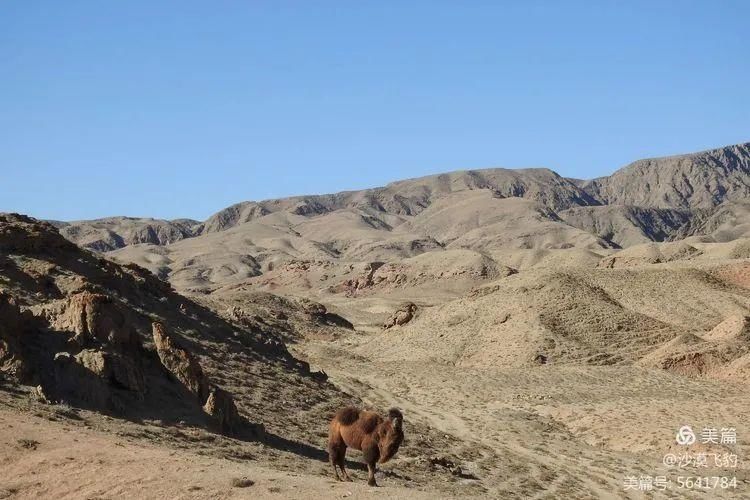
26	281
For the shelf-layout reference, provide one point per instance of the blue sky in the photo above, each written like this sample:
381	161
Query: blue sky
180	108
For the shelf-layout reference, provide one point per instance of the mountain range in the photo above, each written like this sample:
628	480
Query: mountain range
490	211
653	198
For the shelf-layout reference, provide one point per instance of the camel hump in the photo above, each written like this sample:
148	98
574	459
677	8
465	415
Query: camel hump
347	416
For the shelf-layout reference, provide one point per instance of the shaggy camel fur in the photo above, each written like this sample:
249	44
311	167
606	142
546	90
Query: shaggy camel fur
378	438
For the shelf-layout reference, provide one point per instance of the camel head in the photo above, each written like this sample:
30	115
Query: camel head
391	435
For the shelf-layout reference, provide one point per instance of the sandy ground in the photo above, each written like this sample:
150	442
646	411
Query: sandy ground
555	432
40	459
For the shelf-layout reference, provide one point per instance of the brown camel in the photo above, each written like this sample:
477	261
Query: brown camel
378	438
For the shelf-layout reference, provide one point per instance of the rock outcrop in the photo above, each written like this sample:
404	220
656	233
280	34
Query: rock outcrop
95	377
401	316
96	317
179	362
12	326
220	405
102	365
354	285
215	401
115	367
317	313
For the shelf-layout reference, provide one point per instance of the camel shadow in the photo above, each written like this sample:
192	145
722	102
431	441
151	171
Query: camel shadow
303	450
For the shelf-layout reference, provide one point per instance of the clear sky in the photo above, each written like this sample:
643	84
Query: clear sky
180	108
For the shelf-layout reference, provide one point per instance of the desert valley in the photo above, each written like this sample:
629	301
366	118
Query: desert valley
544	337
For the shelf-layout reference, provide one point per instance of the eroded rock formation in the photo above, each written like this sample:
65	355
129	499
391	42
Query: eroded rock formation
215	401
95	316
12	326
179	362
401	316
220	405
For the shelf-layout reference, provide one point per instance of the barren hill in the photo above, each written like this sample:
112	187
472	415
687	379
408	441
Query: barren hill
89	337
576	316
648	200
410	197
112	233
726	222
698	180
627	225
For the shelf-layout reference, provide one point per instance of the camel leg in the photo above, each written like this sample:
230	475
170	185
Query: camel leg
371	475
333	457
342	465
335	471
371	454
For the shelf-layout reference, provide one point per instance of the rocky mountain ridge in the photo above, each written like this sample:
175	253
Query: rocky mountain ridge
648	200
